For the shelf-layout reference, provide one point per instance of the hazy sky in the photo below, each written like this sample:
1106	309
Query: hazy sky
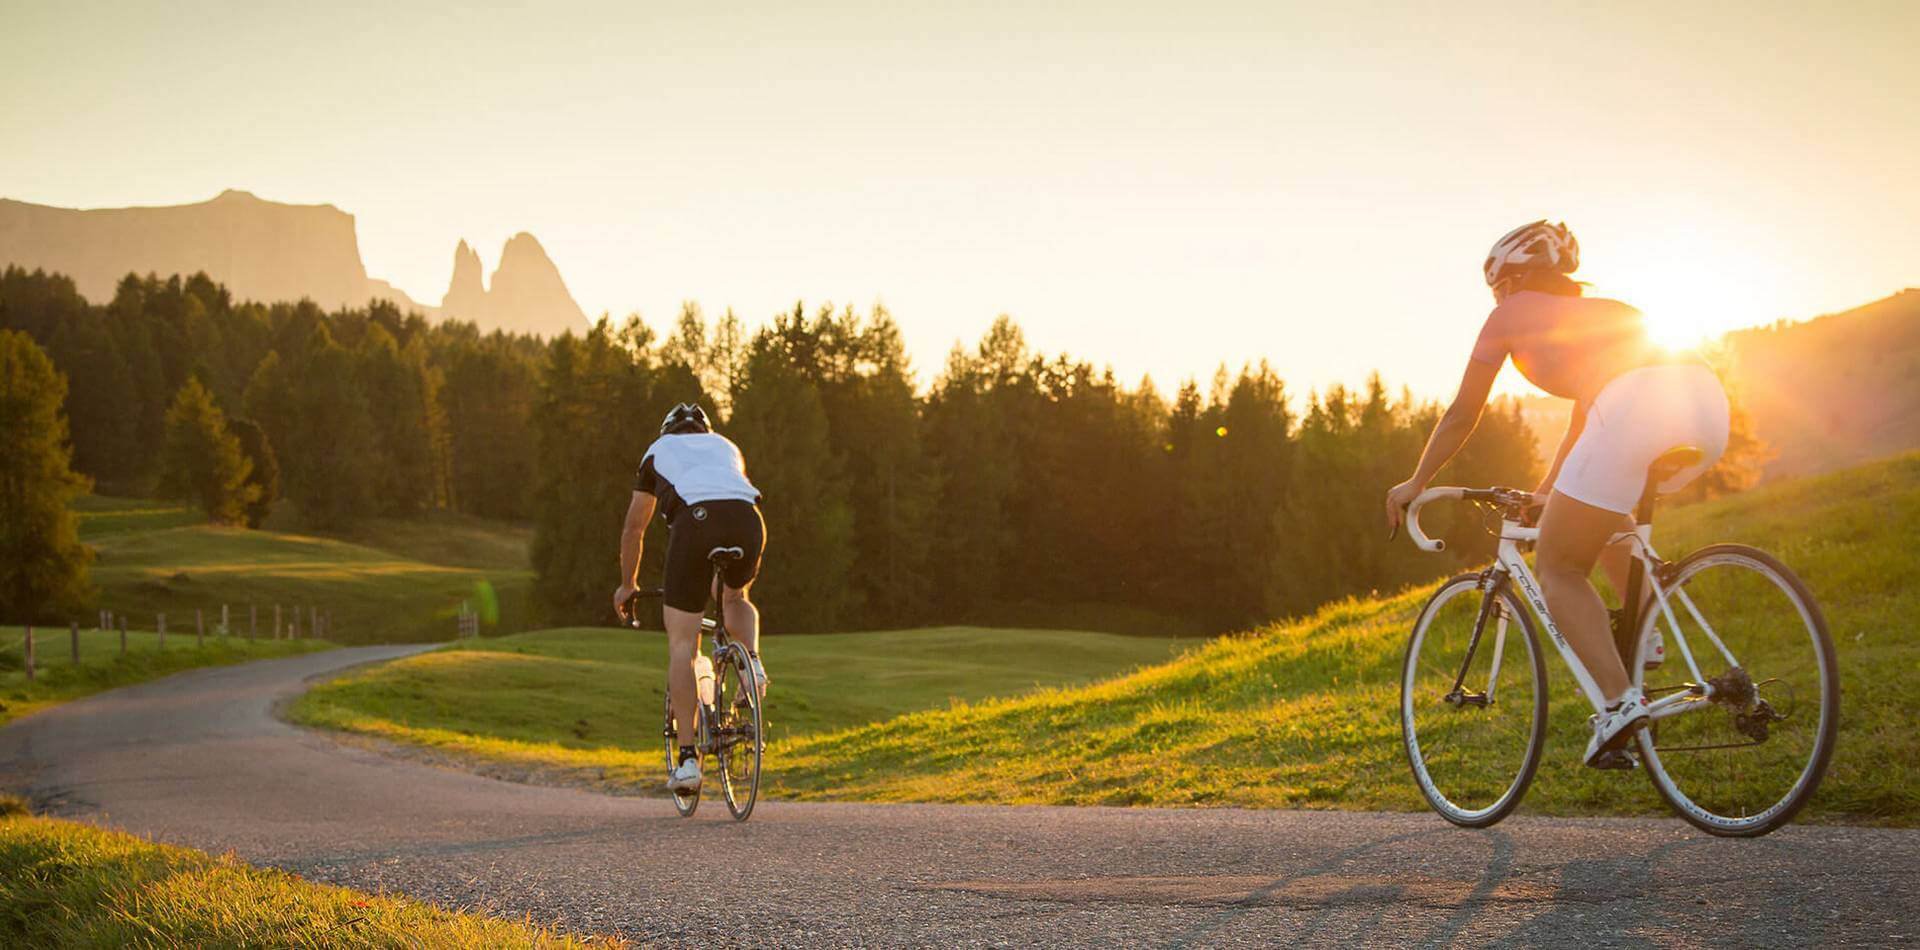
1157	186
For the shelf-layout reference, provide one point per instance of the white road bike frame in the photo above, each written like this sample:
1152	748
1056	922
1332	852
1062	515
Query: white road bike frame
1509	559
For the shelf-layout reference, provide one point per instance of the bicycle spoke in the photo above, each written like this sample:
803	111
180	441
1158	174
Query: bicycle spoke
1743	761
1472	757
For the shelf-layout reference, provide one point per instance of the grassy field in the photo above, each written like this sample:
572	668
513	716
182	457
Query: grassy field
1303	714
1299	714
103	667
64	884
156	557
590	698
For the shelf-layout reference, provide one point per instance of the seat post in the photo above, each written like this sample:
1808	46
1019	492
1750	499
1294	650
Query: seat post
1643	512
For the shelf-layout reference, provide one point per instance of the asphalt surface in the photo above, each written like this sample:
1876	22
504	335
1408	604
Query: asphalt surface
199	759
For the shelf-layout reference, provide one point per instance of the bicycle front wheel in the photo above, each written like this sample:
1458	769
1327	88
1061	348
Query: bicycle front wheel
1744	761
1473	738
737	733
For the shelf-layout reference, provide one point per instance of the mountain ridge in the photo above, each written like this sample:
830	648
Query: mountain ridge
269	250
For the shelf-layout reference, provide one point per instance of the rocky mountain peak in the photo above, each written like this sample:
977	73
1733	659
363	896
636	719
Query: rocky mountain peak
526	294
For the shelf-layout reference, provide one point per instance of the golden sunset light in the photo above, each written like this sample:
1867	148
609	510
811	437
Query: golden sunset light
1229	473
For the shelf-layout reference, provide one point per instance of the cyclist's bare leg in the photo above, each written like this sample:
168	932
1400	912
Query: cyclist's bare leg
743	618
1616	561
683	640
1572	534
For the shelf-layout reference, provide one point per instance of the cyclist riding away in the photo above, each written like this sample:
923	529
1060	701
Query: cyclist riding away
1632	403
697	480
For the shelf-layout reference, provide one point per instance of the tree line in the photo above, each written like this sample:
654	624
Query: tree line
1016	487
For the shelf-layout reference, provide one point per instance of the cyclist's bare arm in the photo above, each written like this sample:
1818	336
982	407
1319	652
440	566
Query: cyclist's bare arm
1448	435
632	537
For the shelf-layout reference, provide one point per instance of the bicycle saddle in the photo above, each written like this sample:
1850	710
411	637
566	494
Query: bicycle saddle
726	554
1673	461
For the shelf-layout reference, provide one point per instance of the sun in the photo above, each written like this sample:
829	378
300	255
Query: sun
1692	285
1680	326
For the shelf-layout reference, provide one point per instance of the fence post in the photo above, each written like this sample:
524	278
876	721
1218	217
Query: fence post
29	653
199	627
73	635
276	621
123	636
160	627
223	620
253	621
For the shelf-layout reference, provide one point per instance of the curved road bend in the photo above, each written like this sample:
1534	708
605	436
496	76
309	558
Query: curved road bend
198	759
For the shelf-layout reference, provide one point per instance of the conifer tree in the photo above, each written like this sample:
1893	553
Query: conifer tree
264	474
43	565
202	461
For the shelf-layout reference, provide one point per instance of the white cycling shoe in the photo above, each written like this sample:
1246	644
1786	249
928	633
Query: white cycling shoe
1612	729
685	778
759	674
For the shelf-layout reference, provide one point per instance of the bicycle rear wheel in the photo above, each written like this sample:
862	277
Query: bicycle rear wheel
683	802
737	733
1745	761
1473	750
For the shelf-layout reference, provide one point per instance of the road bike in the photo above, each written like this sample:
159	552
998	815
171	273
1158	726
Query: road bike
1741	730
728	727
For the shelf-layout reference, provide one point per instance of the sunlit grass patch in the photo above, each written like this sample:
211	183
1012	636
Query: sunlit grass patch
68	884
155	559
584	698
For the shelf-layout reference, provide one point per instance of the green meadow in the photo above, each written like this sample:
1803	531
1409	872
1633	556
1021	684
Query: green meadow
591	698
1298	714
389	580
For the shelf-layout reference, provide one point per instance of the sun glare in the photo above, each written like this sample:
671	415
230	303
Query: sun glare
1692	288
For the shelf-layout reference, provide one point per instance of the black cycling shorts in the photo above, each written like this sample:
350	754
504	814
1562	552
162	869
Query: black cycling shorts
692	535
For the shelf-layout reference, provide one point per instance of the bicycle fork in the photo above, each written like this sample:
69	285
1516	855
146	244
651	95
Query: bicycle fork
1492	584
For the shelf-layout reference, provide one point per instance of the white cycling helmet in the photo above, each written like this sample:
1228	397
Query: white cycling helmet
1536	246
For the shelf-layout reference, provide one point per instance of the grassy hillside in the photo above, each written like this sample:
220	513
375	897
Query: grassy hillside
1300	714
1303	714
64	884
161	558
581	697
102	666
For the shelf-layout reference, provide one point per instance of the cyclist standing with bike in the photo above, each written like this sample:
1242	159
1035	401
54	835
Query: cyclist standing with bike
697	480
1632	403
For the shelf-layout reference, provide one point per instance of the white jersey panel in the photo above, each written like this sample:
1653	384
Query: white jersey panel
701	466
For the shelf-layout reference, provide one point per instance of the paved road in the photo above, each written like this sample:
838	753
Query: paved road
198	759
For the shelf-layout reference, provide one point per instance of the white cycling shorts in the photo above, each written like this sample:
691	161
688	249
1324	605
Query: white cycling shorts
1636	418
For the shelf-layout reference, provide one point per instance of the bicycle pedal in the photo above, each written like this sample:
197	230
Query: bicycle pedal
1615	759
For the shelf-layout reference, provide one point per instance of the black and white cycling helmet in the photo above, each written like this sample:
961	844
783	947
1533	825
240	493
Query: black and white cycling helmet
1536	246
685	417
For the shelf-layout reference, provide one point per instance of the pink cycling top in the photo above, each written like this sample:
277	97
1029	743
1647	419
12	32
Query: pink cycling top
1569	346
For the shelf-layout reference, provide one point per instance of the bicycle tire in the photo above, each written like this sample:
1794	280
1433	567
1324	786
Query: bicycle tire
1410	695
740	738
1824	736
